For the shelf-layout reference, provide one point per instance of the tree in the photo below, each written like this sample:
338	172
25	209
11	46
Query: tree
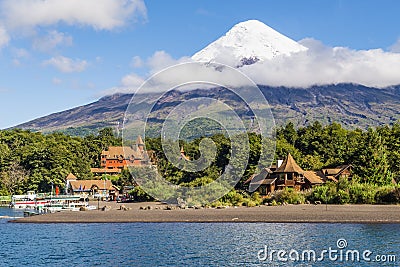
371	163
4	154
289	133
14	178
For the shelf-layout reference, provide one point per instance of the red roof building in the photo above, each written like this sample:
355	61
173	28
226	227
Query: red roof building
115	158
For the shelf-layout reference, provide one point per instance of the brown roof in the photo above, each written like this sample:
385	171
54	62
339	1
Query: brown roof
289	165
336	171
124	152
331	171
71	176
80	185
256	178
314	177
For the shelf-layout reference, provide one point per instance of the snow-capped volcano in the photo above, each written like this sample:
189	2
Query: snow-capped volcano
246	43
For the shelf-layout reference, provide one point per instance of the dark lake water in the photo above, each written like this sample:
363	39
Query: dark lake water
196	244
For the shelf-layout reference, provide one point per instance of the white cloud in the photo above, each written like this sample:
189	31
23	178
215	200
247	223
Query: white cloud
158	61
396	47
99	14
4	37
137	62
326	65
52	40
129	84
182	74
65	64
320	64
132	80
19	54
161	60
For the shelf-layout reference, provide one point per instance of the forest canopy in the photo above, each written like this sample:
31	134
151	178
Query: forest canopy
35	161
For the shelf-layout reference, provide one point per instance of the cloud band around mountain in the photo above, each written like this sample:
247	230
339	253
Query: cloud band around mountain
318	65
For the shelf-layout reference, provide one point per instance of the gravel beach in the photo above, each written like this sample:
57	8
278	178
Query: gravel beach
157	212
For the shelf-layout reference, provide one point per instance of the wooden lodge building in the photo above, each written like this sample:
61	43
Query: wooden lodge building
115	158
288	174
334	174
101	188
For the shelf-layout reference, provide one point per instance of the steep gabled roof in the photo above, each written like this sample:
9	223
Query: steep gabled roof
71	176
336	171
289	165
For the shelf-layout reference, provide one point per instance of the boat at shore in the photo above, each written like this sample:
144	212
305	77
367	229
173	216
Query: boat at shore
67	203
43	203
28	201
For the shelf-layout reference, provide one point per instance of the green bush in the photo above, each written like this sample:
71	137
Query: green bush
217	203
342	197
233	198
257	198
289	196
249	203
139	194
362	193
325	193
354	192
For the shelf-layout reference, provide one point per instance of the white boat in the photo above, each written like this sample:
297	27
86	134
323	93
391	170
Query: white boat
67	203
28	201
50	203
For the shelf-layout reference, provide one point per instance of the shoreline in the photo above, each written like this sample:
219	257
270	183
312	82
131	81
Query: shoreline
153	212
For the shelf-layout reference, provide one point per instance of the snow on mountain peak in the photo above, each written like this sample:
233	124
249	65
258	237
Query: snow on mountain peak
246	43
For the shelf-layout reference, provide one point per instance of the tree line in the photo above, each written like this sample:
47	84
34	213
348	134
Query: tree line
34	161
374	153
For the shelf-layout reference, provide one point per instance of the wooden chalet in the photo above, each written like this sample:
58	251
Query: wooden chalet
334	174
265	182
287	174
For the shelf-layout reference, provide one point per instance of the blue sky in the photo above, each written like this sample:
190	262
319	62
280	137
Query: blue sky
56	55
